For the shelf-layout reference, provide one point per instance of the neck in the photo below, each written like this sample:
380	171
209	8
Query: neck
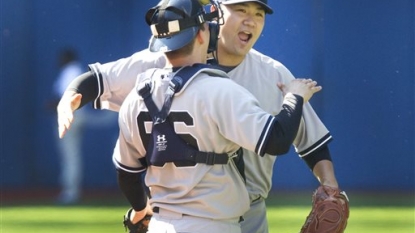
227	59
188	60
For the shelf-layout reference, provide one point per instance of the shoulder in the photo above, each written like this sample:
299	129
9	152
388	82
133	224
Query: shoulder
206	75
140	61
217	86
257	57
263	65
153	76
147	55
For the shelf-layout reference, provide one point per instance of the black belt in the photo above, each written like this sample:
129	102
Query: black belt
257	199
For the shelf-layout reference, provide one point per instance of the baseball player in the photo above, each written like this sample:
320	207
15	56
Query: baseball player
195	191
107	85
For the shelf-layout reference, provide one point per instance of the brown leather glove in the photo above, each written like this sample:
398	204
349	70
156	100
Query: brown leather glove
329	213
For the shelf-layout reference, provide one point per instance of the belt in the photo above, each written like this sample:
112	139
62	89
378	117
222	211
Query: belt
256	199
156	210
167	213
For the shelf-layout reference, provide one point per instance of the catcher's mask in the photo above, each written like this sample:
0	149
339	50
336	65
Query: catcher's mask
174	24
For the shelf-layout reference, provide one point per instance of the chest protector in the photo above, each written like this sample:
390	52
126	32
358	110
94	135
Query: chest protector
165	145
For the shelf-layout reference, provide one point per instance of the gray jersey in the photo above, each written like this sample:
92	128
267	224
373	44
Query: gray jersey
116	79
257	73
220	116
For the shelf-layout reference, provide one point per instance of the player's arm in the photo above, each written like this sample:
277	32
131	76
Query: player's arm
86	85
133	188
130	166
312	145
285	129
321	164
80	91
319	159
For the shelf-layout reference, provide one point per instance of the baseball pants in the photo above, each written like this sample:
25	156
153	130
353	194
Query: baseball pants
255	219
171	222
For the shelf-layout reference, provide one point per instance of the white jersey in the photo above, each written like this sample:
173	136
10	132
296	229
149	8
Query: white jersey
258	73
221	116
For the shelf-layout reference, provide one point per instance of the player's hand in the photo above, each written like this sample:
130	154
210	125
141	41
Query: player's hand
136	216
138	221
302	87
69	102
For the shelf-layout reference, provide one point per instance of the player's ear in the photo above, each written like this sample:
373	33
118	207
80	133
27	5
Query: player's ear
212	8
201	36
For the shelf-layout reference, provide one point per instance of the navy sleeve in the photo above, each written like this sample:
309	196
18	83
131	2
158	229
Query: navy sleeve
316	156
87	85
133	187
285	128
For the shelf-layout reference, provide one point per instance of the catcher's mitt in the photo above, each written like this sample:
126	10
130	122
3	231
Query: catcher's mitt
329	213
140	227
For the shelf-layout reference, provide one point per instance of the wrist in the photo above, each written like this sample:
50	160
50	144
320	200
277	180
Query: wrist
330	183
136	216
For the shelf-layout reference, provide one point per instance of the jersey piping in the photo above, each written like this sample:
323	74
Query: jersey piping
324	140
118	165
259	149
98	75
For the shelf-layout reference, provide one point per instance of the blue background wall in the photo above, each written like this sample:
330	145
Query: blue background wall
362	52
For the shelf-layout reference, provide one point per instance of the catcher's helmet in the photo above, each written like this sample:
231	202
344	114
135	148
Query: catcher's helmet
174	23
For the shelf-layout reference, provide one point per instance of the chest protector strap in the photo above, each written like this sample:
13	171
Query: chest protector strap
165	145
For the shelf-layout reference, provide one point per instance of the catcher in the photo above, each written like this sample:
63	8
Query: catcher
329	213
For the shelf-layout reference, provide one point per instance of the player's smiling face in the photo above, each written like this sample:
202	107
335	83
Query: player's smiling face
243	26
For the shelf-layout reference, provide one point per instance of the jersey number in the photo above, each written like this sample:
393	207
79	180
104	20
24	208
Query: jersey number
174	117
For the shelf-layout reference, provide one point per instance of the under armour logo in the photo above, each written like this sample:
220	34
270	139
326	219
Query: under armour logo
161	138
161	143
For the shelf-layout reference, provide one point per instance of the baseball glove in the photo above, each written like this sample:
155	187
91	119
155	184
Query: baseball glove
140	227
329	213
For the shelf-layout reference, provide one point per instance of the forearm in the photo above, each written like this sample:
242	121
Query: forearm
132	185
87	85
319	162
324	172
286	127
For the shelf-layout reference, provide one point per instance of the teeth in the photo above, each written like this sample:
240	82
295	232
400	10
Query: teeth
245	35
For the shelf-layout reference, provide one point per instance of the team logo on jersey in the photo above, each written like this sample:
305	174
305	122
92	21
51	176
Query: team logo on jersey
161	143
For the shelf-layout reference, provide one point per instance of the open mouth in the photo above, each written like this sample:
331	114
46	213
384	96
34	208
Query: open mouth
245	36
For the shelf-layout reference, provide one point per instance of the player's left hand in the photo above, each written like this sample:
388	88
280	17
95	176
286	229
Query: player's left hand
329	213
305	88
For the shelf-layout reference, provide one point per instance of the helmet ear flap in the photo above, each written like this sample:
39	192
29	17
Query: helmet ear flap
214	36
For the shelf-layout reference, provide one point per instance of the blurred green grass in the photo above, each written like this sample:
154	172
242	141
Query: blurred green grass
286	212
370	212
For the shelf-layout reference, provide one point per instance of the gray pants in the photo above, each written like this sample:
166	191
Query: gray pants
255	219
171	222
